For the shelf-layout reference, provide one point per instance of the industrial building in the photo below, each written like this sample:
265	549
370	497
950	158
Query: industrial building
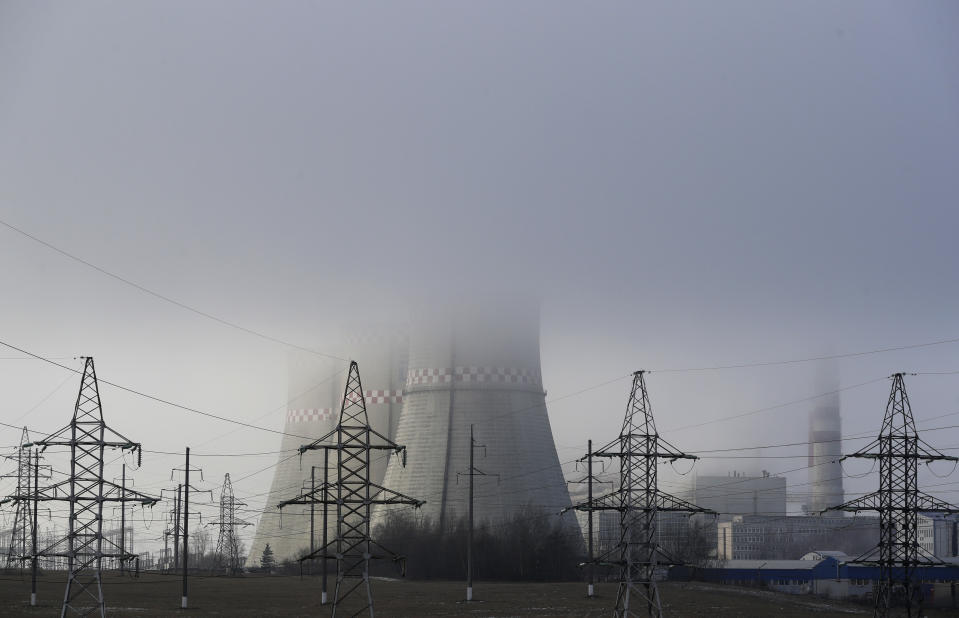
758	537
824	573
939	534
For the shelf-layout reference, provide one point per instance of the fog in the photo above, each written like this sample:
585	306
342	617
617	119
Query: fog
682	186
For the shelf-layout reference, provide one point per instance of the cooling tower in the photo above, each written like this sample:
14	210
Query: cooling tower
314	388
480	366
315	393
825	451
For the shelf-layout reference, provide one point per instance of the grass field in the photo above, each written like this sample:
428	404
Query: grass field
154	595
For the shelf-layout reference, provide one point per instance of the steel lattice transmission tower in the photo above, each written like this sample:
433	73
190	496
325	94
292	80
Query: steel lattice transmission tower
639	502
227	554
899	449
86	490
17	551
353	494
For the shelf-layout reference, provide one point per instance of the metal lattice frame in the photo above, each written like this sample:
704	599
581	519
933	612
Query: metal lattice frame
354	495
899	502
17	552
639	502
86	491
227	554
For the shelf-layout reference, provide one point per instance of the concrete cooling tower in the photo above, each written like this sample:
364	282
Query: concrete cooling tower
316	388
825	451
480	366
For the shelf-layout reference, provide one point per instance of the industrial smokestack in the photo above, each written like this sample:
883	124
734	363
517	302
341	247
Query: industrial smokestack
825	447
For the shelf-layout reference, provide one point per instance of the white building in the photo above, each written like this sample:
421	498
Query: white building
747	537
937	534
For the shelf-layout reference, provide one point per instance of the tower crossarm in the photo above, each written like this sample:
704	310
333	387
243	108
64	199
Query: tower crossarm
92	441
235	522
319	443
606	502
378	495
932	454
382	495
669	502
117	493
873	502
931	504
322	443
314	496
619	448
869	502
658	454
920	455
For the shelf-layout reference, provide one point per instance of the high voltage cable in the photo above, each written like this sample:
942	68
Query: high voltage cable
167	299
284	406
155	398
810	359
250	425
774	407
511	412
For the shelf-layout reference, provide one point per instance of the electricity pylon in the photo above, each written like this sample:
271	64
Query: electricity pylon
899	501
227	554
19	534
353	494
639	502
86	491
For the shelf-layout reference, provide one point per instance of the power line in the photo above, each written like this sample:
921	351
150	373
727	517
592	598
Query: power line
155	398
167	299
775	407
809	359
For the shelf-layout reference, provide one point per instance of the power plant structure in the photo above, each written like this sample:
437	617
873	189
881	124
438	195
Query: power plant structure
315	393
825	450
424	385
477	365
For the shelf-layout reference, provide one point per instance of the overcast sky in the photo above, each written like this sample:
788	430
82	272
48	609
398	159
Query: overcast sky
682	184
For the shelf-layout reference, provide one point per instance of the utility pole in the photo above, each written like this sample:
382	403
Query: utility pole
326	498
473	471
589	518
355	494
86	490
186	527
313	519
588	480
469	542
639	501
176	527
899	501
36	493
312	513
183	490
123	518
